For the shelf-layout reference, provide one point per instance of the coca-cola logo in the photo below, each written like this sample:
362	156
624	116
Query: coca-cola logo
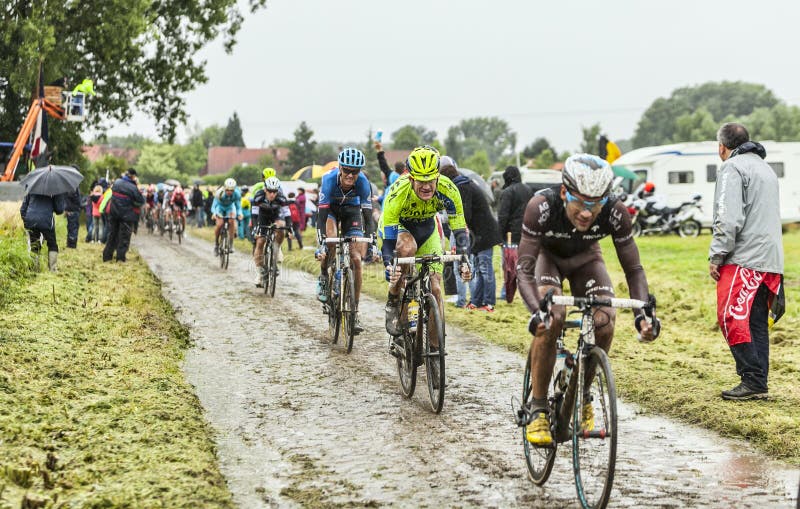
751	280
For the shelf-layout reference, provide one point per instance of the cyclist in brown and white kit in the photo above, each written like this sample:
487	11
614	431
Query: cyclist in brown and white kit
560	234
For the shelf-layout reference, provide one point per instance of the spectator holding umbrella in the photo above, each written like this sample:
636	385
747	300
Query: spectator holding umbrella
123	216
45	190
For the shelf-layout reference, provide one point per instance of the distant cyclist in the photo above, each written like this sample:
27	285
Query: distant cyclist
178	204
227	206
273	208
560	231
345	209
409	225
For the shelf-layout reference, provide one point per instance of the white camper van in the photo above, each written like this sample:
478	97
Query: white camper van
684	169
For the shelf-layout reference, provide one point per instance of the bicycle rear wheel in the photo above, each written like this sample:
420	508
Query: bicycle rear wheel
349	309
433	331
406	367
179	230
594	451
539	460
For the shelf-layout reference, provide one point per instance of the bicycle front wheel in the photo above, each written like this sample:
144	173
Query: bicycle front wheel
273	270
348	309
594	439
224	250
433	336
334	310
170	227
267	267
539	460
406	366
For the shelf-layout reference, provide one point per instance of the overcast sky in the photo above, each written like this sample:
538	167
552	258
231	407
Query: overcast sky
547	67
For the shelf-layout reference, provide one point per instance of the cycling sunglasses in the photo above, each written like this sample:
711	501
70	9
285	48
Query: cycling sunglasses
588	205
350	171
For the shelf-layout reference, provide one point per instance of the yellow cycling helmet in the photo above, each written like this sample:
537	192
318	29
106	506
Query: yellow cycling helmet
268	172
423	163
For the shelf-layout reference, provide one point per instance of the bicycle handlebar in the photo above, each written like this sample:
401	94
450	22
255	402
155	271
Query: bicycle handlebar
566	300
413	260
335	240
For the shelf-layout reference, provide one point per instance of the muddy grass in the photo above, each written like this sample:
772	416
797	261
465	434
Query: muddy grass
682	373
94	408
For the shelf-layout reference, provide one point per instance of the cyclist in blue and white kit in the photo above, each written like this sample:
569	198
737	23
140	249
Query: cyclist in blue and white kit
227	206
345	198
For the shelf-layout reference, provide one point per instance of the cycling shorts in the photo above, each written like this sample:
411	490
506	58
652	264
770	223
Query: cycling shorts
228	212
589	278
350	220
429	236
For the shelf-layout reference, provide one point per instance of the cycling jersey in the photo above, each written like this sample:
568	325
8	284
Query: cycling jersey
270	211
403	210
552	248
227	206
178	199
339	203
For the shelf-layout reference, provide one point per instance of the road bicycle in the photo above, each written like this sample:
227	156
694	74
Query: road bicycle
269	266
149	221
578	381
341	306
179	225
170	225
422	338
225	244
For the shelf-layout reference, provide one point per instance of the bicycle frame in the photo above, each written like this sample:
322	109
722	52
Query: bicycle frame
342	258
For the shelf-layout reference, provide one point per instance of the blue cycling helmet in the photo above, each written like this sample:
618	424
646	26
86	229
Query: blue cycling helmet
352	158
160	186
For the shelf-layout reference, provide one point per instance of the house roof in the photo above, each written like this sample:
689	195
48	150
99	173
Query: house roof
396	155
222	159
95	152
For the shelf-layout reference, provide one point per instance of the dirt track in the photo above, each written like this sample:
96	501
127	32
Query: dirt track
300	422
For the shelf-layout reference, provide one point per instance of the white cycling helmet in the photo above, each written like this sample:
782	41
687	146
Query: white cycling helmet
587	175
272	184
230	184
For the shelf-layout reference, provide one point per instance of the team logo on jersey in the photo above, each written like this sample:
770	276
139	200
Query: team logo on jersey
544	211
321	196
590	283
595	227
615	218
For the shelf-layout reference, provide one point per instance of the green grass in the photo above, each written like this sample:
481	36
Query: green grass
94	408
682	373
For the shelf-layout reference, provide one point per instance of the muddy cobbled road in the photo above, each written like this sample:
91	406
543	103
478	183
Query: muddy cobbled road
298	422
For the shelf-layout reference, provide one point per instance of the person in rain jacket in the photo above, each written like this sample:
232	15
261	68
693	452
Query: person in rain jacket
37	216
125	203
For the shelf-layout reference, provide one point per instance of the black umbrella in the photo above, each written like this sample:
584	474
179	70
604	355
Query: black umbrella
52	180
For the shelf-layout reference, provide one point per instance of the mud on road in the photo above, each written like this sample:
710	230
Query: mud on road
299	422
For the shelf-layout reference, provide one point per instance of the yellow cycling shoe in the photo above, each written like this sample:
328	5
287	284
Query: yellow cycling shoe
538	431
587	417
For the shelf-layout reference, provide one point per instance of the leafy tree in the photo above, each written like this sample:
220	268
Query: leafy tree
696	126
136	141
301	149
327	151
545	159
412	136
479	163
211	136
779	123
157	163
245	174
489	134
371	155
190	158
146	50
537	147
232	137
106	165
658	124
590	134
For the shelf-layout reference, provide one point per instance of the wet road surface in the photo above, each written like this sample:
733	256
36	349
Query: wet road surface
299	422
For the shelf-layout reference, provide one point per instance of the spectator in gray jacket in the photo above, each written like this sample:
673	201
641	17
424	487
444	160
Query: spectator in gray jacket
746	257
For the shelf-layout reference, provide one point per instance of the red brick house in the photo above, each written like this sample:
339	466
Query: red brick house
95	152
222	159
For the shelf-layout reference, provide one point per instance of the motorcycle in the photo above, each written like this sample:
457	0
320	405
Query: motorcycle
648	220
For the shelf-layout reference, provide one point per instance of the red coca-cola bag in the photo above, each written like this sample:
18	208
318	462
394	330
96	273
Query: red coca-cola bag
736	289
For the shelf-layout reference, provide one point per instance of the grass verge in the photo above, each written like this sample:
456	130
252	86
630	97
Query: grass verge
682	373
94	408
